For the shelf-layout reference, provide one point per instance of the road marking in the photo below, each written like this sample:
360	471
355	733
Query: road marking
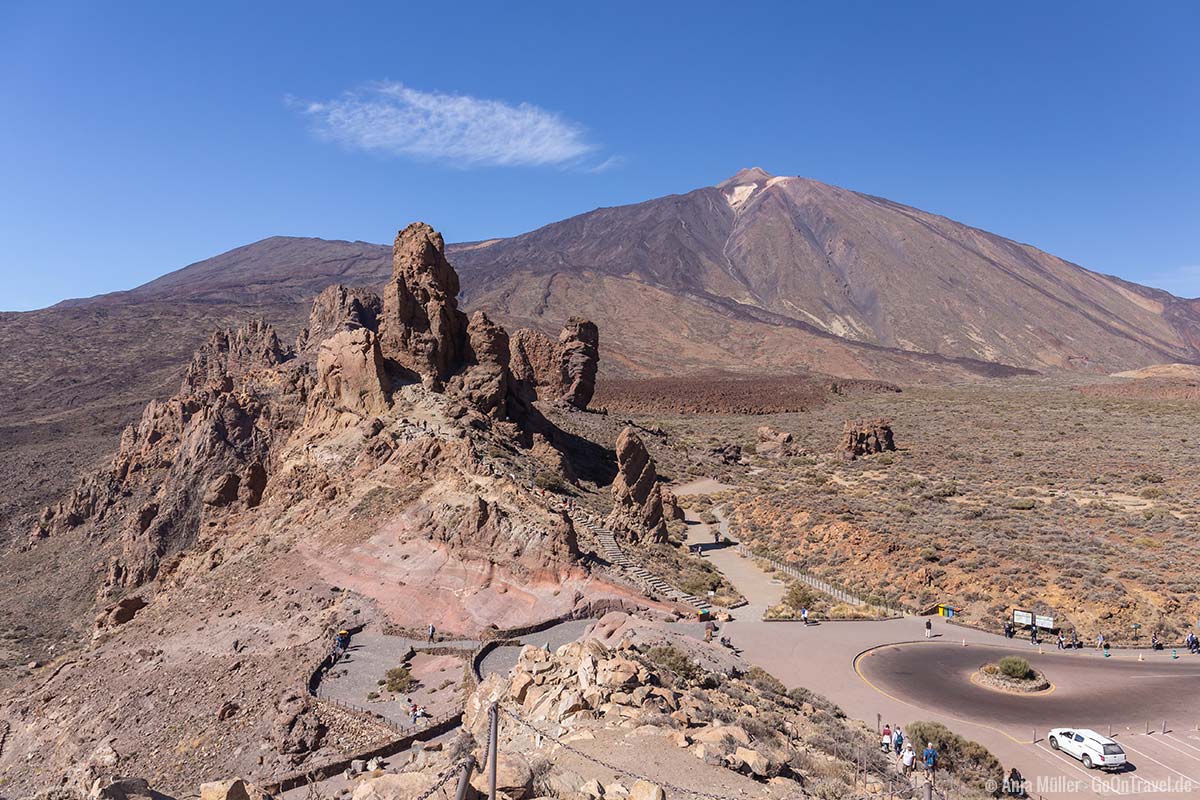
868	682
1176	739
1060	756
1189	778
1169	675
1163	741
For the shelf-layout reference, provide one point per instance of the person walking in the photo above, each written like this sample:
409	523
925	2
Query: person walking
804	614
928	629
431	632
1100	641
898	740
885	739
908	760
1062	643
1033	634
930	757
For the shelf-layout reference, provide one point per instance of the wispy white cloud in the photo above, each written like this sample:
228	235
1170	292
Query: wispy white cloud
1180	281
395	119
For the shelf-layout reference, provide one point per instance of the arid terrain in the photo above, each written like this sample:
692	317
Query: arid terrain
208	476
1044	494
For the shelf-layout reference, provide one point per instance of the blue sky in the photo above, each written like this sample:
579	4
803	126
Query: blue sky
136	138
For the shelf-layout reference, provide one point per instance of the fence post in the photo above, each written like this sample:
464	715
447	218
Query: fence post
464	780
493	736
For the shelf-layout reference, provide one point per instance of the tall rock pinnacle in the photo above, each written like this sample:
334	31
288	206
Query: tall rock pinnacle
421	328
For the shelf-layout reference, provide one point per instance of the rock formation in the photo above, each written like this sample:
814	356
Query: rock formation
562	370
340	308
774	443
866	437
637	498
422	329
210	442
351	380
484	381
728	453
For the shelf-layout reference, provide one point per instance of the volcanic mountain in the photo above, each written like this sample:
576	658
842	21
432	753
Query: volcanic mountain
759	273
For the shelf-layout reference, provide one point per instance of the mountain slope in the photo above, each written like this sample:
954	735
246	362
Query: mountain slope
757	273
794	252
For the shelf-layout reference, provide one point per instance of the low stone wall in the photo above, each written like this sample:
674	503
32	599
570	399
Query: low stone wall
328	770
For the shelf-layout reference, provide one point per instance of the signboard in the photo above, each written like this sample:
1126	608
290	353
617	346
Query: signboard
1022	618
1044	622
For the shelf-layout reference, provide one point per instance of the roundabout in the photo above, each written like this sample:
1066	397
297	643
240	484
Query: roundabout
1087	688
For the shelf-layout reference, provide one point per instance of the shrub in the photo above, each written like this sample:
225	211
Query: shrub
674	661
969	761
1016	667
764	681
799	596
551	482
400	680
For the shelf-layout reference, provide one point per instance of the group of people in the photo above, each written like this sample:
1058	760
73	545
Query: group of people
1192	643
416	712
893	742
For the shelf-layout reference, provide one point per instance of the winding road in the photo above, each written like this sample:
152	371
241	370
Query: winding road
887	672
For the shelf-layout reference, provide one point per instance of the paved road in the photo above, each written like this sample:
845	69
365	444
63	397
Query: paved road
1089	690
502	659
930	680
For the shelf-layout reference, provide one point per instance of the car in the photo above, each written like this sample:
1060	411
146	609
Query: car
1091	748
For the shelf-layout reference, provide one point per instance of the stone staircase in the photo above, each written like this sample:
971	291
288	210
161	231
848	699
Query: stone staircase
648	581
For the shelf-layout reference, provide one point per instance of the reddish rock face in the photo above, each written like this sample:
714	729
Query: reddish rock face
422	328
637	497
866	437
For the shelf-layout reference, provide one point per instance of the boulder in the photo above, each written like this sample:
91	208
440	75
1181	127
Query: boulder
234	789
403	786
514	776
644	790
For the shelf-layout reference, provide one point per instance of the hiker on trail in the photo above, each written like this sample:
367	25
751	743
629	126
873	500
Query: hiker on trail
716	536
1155	644
1014	784
804	614
1008	630
1075	643
1062	643
898	740
1193	643
1033	634
930	757
928	629
1100	643
908	759
885	739
340	642
431	632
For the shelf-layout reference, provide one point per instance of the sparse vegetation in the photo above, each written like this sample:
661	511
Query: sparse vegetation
400	680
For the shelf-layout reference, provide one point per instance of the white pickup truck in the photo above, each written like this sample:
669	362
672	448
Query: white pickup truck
1088	746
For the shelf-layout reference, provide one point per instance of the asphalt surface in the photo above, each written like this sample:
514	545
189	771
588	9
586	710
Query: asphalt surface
1088	689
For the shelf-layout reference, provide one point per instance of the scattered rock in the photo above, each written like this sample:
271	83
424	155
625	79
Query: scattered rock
866	437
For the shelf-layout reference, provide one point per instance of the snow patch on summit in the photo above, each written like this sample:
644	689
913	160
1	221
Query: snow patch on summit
738	195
